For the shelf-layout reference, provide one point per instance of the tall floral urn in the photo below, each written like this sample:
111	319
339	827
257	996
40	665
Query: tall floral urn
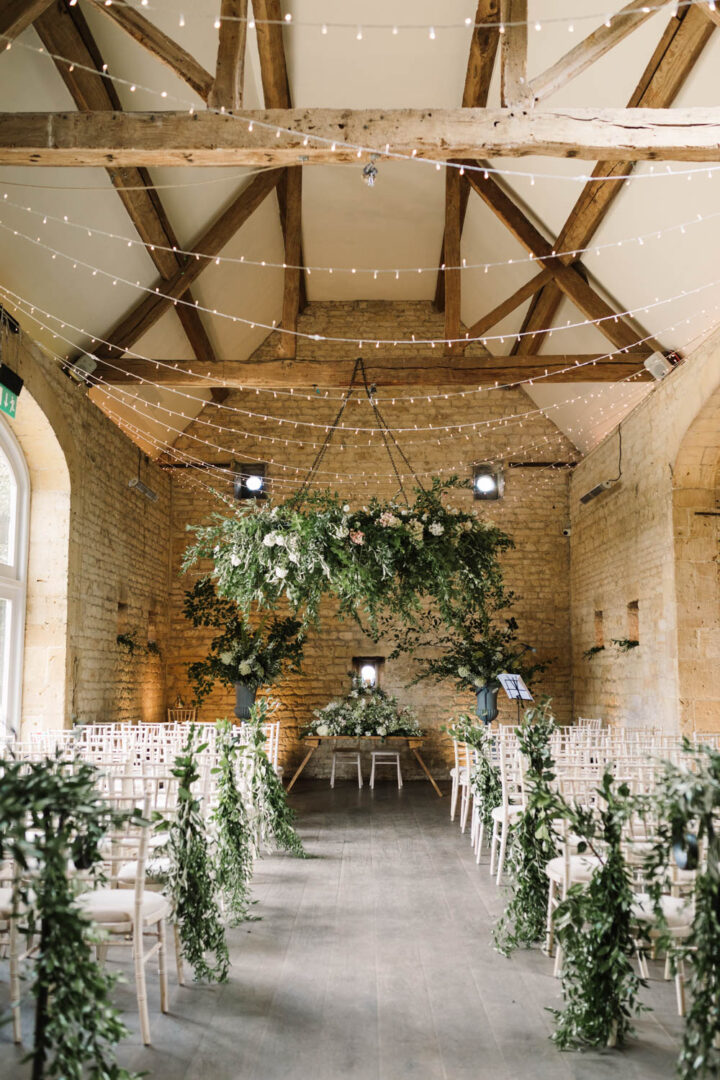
487	708
244	700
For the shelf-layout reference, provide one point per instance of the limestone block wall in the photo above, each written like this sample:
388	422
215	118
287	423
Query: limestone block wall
534	511
624	552
98	557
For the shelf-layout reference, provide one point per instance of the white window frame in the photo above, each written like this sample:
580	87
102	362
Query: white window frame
13	584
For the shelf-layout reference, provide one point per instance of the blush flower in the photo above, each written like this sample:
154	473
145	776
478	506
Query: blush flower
357	536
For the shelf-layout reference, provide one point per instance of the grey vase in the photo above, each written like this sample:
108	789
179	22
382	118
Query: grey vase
487	708
244	700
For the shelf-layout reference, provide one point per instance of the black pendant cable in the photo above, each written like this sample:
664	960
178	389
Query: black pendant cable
387	435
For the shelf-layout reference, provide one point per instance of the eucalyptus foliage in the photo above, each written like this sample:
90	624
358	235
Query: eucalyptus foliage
485	779
234	848
382	562
688	806
274	816
365	710
254	655
52	819
533	842
191	880
596	930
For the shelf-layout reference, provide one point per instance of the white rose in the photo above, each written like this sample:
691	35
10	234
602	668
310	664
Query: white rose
235	559
463	672
279	539
322	729
226	658
269	539
346	508
281	572
245	667
436	528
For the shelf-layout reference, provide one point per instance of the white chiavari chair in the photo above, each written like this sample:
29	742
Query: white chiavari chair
511	807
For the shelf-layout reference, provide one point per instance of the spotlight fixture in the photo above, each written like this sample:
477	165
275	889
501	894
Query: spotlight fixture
370	174
488	482
249	482
659	366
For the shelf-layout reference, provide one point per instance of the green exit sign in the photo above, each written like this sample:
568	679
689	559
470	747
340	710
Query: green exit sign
8	401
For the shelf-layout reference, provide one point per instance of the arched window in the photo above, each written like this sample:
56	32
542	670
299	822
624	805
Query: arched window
14	506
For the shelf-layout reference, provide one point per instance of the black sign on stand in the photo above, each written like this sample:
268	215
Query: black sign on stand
516	690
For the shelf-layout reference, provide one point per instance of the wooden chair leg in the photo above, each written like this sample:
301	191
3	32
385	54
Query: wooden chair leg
140	985
162	965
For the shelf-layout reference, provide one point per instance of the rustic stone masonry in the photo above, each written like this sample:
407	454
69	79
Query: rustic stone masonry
534	511
98	563
645	560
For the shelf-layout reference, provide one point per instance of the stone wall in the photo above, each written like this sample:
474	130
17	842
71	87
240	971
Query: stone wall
625	546
98	563
534	511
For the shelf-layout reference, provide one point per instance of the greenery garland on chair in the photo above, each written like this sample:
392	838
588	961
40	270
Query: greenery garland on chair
533	842
51	818
595	928
234	853
275	817
485	779
688	806
191	880
381	562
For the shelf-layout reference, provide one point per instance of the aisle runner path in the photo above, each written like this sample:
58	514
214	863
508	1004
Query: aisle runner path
373	962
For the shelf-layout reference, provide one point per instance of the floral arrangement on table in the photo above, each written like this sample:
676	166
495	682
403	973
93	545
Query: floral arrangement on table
365	710
240	653
385	563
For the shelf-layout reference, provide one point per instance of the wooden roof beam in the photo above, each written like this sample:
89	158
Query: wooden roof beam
17	15
614	30
159	45
145	314
227	89
432	370
513	51
102	139
614	327
65	32
682	43
287	343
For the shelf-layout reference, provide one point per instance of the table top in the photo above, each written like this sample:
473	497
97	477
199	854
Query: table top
411	740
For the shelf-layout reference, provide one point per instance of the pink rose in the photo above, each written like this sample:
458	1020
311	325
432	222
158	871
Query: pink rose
357	536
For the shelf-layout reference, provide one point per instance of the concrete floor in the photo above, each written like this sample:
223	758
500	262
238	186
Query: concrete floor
373	961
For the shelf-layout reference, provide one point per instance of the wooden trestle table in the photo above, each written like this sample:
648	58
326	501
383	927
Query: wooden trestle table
412	742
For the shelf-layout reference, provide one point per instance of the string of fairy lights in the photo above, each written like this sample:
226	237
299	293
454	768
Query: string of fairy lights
360	343
360	150
452	431
375	272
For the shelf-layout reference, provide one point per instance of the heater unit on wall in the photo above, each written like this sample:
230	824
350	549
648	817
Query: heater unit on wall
597	490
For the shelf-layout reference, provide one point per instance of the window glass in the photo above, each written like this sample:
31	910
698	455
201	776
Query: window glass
8	492
5	608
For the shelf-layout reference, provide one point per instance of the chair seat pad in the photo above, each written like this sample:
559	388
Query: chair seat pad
512	812
581	867
118	905
156	870
678	911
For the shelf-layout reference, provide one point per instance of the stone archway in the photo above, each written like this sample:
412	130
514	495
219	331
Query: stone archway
696	528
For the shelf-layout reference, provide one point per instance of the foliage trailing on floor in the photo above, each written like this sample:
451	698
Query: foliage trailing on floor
594	926
382	562
234	851
533	841
191	879
254	655
51	818
688	805
274	816
485	778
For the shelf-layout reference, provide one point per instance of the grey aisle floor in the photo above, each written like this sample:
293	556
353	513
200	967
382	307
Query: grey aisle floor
373	961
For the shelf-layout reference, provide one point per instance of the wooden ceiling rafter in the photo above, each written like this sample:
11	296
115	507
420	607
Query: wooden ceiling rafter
227	88
166	293
568	278
17	15
679	49
383	369
513	52
182	63
65	32
276	94
480	66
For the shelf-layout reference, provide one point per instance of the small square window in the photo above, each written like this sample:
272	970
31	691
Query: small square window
368	669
